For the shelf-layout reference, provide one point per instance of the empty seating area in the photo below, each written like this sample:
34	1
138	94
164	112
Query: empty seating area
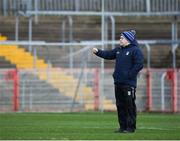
66	84
39	95
21	58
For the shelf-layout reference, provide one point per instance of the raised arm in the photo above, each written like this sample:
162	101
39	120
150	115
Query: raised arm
106	54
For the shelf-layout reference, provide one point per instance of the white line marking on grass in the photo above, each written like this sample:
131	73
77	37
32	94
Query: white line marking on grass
155	128
139	127
148	128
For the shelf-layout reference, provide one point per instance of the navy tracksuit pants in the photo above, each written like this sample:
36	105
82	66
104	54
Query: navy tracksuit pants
126	107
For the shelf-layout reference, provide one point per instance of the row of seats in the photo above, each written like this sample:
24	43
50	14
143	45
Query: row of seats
3	38
22	59
19	56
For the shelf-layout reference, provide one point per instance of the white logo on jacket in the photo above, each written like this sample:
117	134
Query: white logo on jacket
129	93
127	53
117	52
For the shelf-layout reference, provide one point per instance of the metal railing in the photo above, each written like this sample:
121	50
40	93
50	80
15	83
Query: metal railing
122	6
37	96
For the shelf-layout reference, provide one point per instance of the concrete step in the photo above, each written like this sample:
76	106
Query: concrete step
41	95
6	64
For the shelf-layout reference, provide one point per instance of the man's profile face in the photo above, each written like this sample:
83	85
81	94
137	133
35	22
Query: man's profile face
123	42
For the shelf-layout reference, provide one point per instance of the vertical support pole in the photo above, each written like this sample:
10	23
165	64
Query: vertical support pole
113	31
70	20
102	60
35	57
30	33
17	28
96	89
174	90
149	90
16	90
149	79
172	77
5	7
106	32
174	34
148	55
29	4
23	93
148	6
173	49
112	19
48	70
15	7
63	31
30	99
36	9
162	92
77	5
174	28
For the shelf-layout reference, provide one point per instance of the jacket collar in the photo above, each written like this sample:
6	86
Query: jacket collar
134	43
126	47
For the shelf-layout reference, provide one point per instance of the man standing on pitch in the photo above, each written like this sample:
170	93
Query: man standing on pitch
129	61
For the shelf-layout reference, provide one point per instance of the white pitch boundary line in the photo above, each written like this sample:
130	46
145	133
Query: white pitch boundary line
141	127
156	128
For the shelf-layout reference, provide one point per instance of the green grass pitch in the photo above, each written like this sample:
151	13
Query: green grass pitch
86	126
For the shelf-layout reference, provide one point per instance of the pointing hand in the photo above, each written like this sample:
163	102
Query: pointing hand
94	50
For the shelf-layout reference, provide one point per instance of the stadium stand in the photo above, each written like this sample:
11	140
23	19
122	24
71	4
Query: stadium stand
89	30
58	79
43	94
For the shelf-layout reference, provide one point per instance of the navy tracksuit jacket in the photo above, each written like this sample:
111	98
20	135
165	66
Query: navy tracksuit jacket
129	61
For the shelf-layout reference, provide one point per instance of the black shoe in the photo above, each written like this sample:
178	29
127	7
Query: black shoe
130	130
120	131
